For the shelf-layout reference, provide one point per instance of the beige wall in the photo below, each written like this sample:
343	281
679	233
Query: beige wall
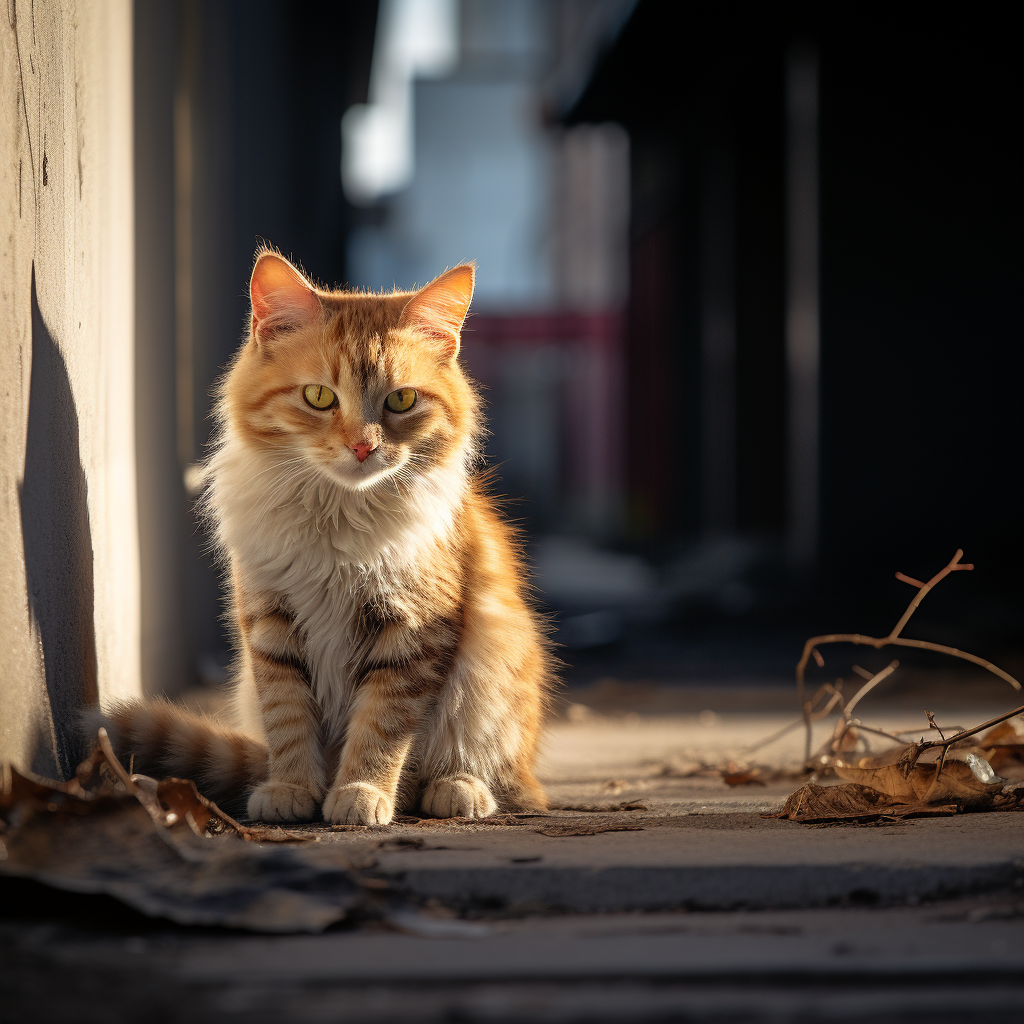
69	578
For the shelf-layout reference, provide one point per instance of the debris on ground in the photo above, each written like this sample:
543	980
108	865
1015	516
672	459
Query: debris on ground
623	805
941	776
165	850
586	828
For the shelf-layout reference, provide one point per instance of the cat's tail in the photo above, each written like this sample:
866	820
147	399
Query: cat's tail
155	737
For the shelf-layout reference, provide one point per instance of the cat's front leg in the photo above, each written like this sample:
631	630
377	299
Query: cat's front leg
384	716
295	781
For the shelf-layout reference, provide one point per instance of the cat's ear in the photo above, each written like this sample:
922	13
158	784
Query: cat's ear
439	310
281	296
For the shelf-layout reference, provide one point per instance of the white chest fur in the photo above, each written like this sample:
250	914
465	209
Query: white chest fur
324	551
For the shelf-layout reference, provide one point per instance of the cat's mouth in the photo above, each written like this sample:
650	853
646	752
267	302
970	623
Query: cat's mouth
359	475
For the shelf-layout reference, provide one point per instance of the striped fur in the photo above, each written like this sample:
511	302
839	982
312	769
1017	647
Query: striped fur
389	658
163	739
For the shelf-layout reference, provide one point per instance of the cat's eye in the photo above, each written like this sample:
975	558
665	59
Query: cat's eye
401	400
318	396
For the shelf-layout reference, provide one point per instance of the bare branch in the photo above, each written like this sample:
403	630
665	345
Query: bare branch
871	684
893	639
964	733
924	588
931	723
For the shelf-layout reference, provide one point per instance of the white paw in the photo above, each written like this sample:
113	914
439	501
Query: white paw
460	796
281	801
358	803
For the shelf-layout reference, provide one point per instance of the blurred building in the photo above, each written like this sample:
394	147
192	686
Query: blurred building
824	331
541	208
745	320
729	271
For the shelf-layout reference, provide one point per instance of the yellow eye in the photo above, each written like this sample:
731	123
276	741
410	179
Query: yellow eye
318	396
401	400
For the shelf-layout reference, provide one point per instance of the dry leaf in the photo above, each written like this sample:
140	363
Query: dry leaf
851	803
1008	732
1003	744
1004	755
966	777
151	847
172	800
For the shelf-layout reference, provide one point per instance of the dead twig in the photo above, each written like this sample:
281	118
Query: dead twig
895	639
945	744
835	697
872	682
848	722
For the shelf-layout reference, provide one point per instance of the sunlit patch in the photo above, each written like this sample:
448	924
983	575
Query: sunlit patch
401	400
318	396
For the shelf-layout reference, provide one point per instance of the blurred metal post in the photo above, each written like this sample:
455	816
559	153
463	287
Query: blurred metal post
718	338
162	509
184	99
802	309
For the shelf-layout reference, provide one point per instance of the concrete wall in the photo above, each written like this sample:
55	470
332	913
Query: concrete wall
69	591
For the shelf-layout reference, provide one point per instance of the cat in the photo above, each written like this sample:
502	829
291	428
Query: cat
388	654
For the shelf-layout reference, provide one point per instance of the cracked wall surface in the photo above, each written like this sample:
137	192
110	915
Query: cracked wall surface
69	577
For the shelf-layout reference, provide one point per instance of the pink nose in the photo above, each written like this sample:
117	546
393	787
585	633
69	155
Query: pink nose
362	450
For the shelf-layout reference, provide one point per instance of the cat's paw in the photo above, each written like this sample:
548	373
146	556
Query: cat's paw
358	803
281	801
459	796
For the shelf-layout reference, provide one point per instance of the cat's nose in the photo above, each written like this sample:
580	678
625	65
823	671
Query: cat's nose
362	449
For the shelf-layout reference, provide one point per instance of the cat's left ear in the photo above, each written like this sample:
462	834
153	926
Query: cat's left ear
281	296
440	309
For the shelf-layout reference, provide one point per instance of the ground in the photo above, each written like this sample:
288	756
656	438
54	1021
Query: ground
694	908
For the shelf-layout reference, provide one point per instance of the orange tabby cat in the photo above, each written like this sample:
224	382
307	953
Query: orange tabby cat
388	656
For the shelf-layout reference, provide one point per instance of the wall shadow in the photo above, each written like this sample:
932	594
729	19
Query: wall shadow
58	544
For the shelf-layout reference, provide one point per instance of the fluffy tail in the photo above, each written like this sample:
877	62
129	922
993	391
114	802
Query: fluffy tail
158	738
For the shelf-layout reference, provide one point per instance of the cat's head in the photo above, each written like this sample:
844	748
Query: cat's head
354	387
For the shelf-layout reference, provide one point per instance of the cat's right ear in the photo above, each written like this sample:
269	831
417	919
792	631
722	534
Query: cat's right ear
281	296
439	310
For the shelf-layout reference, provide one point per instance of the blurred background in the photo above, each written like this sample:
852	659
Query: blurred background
748	319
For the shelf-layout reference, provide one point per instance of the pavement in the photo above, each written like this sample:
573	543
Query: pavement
693	841
694	907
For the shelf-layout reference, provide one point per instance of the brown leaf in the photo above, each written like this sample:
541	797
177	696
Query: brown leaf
966	777
173	802
102	832
908	759
1002	734
887	779
1003	744
812	804
1005	754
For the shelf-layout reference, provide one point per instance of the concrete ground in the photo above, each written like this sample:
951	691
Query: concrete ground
694	908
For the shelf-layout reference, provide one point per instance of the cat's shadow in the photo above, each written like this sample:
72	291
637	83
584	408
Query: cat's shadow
58	548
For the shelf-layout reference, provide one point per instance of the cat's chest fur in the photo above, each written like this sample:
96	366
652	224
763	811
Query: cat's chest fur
325	557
